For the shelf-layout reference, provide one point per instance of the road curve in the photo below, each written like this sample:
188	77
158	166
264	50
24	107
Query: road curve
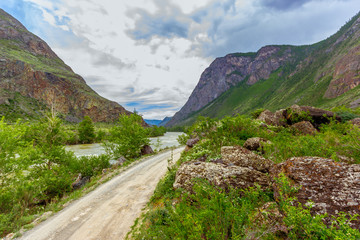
110	210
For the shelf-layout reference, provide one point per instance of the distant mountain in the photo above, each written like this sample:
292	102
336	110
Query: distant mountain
165	121
33	78
154	122
324	74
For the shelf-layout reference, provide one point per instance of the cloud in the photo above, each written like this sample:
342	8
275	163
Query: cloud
168	22
152	53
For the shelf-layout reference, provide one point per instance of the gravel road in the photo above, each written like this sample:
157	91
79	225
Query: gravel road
110	210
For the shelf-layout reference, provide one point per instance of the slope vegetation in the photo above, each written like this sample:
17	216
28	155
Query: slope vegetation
324	74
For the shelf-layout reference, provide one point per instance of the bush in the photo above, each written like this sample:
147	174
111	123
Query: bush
255	114
86	130
127	137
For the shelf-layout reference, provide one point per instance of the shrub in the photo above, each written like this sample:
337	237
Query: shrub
86	130
127	137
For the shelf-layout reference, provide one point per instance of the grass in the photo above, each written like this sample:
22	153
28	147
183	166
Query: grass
212	213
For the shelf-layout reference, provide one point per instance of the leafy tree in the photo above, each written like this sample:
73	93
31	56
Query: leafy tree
127	137
86	130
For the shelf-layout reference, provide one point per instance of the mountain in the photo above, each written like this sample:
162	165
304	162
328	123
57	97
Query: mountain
164	121
324	74
153	122
33	78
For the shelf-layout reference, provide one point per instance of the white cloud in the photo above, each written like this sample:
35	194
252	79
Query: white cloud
153	52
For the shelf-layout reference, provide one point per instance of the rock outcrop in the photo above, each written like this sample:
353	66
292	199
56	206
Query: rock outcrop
218	174
28	66
225	72
238	168
332	187
256	144
243	157
303	75
304	127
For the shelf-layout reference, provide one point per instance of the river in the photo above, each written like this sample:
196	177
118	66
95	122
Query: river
168	140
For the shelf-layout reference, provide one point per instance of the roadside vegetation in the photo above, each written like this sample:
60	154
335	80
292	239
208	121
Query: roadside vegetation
209	212
37	173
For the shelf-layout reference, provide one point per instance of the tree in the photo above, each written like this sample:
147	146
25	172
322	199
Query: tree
127	137
86	130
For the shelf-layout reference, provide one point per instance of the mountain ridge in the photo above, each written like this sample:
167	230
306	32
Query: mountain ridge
28	66
331	63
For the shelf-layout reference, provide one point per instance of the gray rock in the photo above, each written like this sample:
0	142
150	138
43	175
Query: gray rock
333	187
255	144
80	182
355	121
191	142
304	127
219	175
243	157
146	149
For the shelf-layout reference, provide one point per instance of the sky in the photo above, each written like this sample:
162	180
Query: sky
148	55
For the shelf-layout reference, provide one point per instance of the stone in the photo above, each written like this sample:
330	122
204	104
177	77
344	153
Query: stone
80	182
317	115
255	144
355	121
219	175
146	149
120	161
333	187
274	119
304	127
243	157
191	142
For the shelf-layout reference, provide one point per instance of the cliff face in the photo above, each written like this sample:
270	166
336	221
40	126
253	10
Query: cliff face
330	68
225	72
28	66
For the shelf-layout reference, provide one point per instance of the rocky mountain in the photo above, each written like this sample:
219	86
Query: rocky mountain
323	74
152	122
33	78
164	121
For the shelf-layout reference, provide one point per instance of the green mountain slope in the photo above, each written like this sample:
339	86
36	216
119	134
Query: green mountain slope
324	74
33	78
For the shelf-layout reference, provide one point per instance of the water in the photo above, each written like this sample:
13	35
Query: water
168	140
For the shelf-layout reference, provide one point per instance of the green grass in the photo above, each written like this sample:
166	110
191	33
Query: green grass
212	213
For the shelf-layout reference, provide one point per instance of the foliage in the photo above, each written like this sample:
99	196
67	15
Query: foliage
346	113
303	225
211	213
156	131
127	137
256	113
86	130
36	170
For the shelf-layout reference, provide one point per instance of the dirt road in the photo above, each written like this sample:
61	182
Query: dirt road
110	210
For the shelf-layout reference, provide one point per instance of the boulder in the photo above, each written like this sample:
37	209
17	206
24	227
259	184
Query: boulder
255	144
243	157
333	187
304	127
146	149
191	142
119	162
275	119
317	115
220	175
80	182
355	121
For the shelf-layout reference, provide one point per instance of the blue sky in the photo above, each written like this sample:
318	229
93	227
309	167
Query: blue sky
149	54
